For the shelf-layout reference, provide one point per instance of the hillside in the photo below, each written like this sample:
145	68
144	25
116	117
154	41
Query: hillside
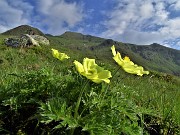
40	94
79	36
153	57
160	58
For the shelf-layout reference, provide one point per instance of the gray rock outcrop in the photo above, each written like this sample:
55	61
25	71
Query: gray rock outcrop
26	40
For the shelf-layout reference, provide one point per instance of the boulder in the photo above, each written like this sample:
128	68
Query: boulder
40	39
14	42
26	40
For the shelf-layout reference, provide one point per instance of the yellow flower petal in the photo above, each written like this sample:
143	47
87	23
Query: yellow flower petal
127	64
113	50
79	66
92	71
59	55
118	59
63	56
126	59
55	53
88	64
104	75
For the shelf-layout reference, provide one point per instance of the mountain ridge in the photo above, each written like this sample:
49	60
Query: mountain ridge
23	29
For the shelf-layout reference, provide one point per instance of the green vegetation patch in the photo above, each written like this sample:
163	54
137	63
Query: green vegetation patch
41	95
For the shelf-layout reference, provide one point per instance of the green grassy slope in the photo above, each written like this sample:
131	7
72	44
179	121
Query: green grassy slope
156	91
153	57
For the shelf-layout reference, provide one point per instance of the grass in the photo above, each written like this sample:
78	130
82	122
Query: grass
38	94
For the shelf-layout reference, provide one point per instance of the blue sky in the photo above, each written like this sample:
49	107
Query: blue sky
141	22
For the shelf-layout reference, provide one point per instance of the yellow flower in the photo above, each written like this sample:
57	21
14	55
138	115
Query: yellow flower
127	64
92	71
59	55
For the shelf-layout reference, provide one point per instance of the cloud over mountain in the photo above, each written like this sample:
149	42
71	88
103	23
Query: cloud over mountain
132	21
59	15
14	13
142	22
55	16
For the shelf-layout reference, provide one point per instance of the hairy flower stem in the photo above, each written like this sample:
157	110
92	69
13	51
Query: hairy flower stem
79	99
78	103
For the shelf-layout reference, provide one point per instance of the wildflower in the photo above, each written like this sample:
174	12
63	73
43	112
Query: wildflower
127	64
59	55
92	71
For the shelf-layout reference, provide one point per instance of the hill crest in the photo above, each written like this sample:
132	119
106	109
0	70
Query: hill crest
23	29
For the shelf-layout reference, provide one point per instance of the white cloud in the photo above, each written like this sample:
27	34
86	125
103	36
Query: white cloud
172	28
3	28
53	16
160	14
141	38
80	30
59	15
133	21
178	43
142	22
11	16
146	10
173	43
176	5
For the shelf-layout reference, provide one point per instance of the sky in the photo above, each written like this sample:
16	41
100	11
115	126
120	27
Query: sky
140	22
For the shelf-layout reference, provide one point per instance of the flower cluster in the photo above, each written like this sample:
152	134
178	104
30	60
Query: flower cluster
97	74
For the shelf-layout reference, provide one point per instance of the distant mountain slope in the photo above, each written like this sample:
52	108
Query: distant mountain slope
153	57
160	58
78	38
23	29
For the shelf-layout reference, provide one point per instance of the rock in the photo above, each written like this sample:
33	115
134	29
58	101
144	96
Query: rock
40	39
14	42
26	40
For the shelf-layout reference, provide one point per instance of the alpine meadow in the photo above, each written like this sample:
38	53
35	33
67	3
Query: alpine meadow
75	84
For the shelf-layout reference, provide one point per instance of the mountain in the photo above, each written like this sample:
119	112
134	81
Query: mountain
79	36
153	57
23	29
160	57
